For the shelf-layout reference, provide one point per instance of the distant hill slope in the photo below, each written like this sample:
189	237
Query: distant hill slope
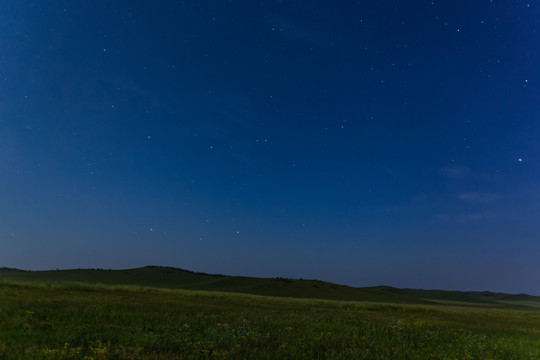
174	278
439	295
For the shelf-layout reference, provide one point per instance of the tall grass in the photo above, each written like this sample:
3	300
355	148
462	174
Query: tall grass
81	321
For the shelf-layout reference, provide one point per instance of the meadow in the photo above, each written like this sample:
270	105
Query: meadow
92	321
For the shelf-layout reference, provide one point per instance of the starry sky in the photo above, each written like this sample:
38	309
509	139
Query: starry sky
359	142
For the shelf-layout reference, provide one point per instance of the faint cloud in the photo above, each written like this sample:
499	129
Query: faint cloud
479	197
412	205
388	171
420	199
465	173
457	172
468	217
481	216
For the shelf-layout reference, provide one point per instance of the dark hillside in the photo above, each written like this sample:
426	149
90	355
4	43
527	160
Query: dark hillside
175	278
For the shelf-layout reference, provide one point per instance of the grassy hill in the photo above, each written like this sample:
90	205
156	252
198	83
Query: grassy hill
174	278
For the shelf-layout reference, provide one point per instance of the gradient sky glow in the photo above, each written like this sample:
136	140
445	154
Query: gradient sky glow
359	142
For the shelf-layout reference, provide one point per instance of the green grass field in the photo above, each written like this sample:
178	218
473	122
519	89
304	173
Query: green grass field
51	318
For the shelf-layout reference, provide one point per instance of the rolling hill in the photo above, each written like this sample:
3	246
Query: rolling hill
175	278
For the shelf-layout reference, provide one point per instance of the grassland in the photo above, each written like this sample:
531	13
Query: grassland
173	278
70	320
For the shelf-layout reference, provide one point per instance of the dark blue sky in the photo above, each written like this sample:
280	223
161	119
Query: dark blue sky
360	142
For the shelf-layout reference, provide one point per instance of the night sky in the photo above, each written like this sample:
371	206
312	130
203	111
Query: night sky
360	142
